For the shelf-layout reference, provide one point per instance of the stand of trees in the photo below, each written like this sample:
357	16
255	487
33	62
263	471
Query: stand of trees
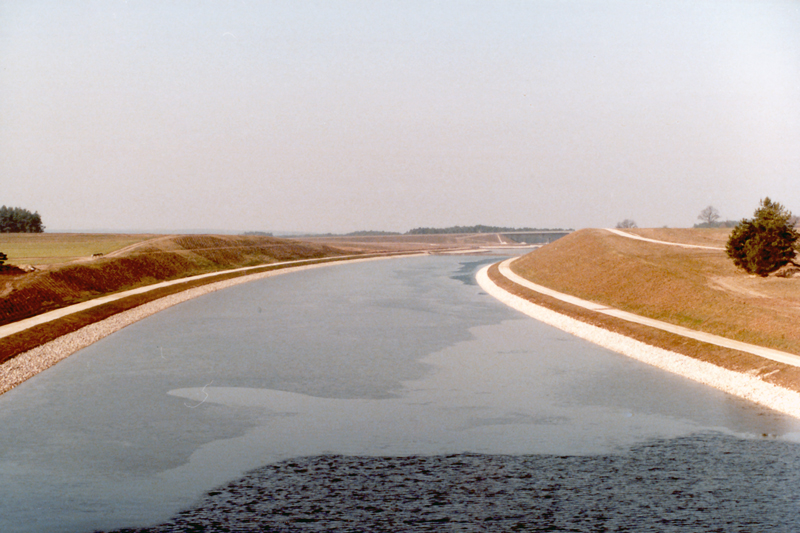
627	223
709	218
19	220
766	242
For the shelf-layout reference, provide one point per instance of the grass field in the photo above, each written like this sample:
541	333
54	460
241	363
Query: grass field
51	248
699	289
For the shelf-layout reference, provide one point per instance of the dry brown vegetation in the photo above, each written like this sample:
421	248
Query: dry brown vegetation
699	289
703	237
157	259
770	371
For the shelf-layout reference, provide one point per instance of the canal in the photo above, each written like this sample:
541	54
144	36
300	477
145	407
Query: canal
384	395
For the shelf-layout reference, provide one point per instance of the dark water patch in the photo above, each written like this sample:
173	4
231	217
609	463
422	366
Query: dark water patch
466	273
706	482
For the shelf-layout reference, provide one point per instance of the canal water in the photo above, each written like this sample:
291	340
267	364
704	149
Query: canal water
381	396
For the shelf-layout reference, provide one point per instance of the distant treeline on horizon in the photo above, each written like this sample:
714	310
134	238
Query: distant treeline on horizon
721	224
421	231
451	229
476	229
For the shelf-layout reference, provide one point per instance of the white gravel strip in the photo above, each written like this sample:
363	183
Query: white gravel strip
681	245
26	365
742	385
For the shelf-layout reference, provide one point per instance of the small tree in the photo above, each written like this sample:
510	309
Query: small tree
19	220
764	243
3	258
709	216
627	223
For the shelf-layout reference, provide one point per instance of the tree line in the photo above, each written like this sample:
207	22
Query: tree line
19	220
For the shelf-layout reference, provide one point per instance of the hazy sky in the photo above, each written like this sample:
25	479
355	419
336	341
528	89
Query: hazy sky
348	115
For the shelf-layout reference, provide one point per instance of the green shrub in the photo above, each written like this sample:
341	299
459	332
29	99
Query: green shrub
764	243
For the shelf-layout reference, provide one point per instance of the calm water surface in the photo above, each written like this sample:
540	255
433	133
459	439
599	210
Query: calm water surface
382	395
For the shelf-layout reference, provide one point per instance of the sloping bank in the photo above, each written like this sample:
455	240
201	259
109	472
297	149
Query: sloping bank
742	384
68	339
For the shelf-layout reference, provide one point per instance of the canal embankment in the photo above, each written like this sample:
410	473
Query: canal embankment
609	270
37	341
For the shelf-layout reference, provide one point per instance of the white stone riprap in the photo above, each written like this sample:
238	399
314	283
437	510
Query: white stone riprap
738	384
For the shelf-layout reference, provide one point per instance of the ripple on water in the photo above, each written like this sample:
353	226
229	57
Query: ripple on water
705	482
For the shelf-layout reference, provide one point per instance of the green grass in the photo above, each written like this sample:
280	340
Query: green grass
50	248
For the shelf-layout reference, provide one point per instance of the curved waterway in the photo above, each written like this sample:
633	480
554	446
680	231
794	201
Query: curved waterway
382	396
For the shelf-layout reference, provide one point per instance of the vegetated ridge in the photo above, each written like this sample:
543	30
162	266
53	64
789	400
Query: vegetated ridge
695	288
148	262
144	263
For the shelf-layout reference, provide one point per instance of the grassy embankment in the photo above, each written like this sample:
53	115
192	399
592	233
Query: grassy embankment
128	262
694	288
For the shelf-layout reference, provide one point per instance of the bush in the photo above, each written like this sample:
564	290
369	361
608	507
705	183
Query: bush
766	242
19	220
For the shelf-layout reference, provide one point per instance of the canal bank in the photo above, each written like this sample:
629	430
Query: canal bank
29	363
743	384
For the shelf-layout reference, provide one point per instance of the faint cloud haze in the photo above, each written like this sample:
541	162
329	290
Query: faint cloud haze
340	116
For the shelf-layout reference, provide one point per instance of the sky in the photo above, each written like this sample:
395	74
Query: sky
339	116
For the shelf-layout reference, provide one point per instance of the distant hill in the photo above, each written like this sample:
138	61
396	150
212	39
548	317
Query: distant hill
371	233
476	229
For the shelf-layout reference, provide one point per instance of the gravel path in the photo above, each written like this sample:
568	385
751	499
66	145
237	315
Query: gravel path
680	245
26	365
741	385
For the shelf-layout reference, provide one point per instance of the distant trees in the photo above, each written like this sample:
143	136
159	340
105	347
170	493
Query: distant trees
766	242
3	258
627	223
19	220
709	215
709	218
